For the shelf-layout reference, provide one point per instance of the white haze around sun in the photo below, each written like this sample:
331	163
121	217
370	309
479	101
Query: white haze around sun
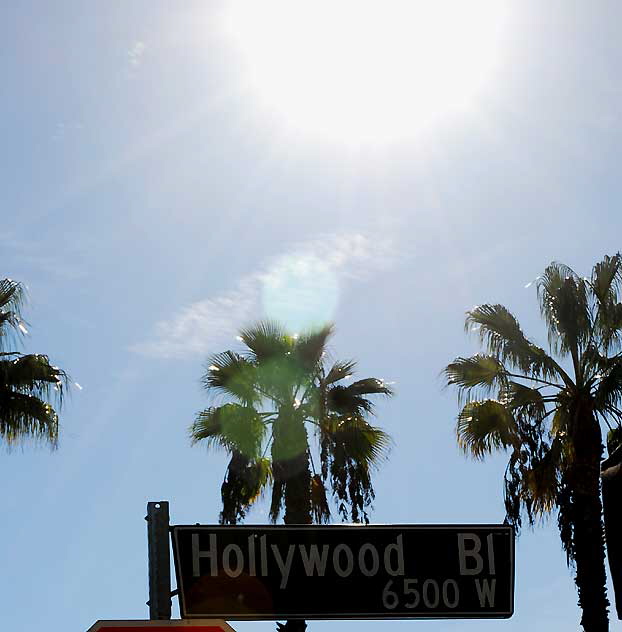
362	70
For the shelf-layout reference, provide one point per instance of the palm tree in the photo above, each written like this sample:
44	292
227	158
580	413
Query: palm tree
279	393
27	382
548	409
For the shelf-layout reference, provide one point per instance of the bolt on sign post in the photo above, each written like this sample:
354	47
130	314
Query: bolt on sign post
209	625
345	571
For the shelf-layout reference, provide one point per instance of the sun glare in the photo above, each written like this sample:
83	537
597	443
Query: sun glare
363	70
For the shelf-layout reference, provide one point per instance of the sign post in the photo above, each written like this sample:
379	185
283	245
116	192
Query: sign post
345	571
159	560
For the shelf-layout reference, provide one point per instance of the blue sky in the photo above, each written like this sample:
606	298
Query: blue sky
152	207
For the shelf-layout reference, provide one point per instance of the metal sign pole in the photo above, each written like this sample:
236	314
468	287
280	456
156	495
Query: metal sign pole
159	560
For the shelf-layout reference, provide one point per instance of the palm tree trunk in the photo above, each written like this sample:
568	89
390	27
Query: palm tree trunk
298	511
588	533
612	509
290	440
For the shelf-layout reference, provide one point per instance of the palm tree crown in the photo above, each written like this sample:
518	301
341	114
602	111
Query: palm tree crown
27	382
546	408
277	393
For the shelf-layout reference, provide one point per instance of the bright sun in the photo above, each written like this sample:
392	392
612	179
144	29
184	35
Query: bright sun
365	70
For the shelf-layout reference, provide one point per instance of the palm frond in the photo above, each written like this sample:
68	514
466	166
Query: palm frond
541	479
33	374
608	390
595	364
237	428
12	298
605	284
244	481
279	378
370	386
350	400
500	333
607	278
267	339
207	427
309	347
277	498
483	372
485	426
319	502
565	308
233	375
340	371
344	402
523	400
350	448
24	417
363	442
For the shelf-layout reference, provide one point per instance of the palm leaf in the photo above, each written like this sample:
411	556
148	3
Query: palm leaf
485	426
32	374
310	346
503	338
244	481
343	401
12	297
565	309
608	391
363	442
614	440
233	375
267	339
277	498
340	371
207	427
478	371
319	502
542	479
606	279
237	428
370	386
24	416
523	399
605	284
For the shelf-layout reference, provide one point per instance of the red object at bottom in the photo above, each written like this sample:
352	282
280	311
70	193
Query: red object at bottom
163	628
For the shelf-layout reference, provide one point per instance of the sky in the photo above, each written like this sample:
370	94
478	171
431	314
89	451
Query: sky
157	196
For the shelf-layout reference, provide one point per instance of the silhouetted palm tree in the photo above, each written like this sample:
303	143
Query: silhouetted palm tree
280	392
27	382
547	412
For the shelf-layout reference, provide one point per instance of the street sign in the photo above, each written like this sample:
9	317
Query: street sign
345	571
205	625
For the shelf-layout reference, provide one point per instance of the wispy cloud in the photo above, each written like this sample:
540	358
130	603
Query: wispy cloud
135	53
25	257
66	130
293	277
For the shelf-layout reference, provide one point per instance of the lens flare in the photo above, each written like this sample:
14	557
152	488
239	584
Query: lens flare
301	292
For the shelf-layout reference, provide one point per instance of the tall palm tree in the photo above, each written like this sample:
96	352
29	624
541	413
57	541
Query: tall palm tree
548	409
279	393
27	382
